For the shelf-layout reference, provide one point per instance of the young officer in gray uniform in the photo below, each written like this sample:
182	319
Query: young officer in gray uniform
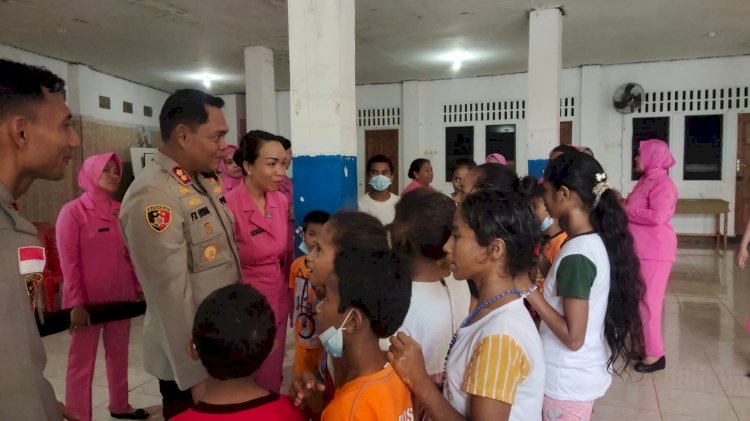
36	141
179	233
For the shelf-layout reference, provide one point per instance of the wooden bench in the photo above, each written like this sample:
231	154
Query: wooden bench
715	207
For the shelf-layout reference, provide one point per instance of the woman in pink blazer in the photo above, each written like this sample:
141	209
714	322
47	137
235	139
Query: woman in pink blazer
650	207
96	269
260	227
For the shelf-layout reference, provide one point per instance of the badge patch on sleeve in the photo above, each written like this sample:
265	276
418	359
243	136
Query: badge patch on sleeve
31	260
158	217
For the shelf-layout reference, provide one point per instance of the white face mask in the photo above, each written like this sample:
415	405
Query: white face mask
546	223
333	339
380	182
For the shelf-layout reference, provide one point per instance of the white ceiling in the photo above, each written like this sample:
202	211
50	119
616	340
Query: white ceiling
159	42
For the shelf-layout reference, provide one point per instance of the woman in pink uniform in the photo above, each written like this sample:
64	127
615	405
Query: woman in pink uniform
650	207
260	226
231	173
96	269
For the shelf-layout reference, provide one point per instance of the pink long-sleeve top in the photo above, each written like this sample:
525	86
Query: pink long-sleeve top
262	242
651	204
95	262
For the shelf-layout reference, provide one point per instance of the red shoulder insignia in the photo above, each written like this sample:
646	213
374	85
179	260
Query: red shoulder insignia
181	175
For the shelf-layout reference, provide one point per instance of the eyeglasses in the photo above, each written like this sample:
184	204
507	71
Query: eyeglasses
374	173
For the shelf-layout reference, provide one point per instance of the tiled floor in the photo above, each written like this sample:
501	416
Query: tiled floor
708	353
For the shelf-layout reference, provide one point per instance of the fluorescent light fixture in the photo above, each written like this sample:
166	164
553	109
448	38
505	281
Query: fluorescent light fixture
205	78
457	58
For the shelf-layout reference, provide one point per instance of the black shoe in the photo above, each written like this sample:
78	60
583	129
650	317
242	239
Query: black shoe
650	368
138	414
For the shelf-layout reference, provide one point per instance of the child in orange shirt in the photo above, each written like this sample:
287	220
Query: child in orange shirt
308	351
365	298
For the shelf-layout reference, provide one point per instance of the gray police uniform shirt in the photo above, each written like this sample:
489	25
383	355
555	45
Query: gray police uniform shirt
24	392
181	242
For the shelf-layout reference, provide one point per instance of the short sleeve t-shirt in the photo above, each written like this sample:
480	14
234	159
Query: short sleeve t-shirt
269	407
498	357
384	211
581	270
305	301
378	396
431	328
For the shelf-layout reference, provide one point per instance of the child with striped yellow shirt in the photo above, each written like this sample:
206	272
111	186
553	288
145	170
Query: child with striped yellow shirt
495	365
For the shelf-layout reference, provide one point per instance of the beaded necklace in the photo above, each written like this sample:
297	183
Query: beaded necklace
471	316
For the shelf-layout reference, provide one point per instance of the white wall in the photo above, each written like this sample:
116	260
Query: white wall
231	115
596	124
84	85
57	67
92	84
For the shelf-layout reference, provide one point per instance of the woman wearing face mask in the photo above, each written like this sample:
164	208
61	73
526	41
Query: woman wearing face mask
260	226
97	270
379	202
420	171
231	173
650	207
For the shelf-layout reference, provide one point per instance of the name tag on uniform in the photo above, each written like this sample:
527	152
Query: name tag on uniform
200	213
105	229
257	231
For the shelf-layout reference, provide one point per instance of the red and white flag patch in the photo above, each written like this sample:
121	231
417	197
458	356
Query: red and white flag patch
31	260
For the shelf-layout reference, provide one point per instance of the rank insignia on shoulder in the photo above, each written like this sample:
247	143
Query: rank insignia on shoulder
158	217
194	202
208	228
217	189
181	175
184	190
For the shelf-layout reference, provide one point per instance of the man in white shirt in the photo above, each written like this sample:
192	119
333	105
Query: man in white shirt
379	202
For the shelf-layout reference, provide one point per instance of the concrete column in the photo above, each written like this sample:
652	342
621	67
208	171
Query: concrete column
543	103
323	105
260	90
411	118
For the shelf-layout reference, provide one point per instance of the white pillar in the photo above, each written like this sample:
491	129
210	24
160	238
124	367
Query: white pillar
543	103
323	104
260	89
411	118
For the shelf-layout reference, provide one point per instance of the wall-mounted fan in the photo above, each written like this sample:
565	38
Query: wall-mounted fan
628	98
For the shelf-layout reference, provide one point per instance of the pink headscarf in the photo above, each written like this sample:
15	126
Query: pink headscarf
655	157
227	181
88	180
498	157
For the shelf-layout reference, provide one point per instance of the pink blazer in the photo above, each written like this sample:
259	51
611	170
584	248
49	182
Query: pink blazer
94	259
262	241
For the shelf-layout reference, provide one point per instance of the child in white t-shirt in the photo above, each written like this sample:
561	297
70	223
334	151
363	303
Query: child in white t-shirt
590	304
379	201
495	365
439	303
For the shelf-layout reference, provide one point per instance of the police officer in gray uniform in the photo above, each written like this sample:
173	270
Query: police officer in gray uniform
36	141
179	233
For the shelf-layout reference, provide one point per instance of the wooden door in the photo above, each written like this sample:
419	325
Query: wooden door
566	132
383	142
742	192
